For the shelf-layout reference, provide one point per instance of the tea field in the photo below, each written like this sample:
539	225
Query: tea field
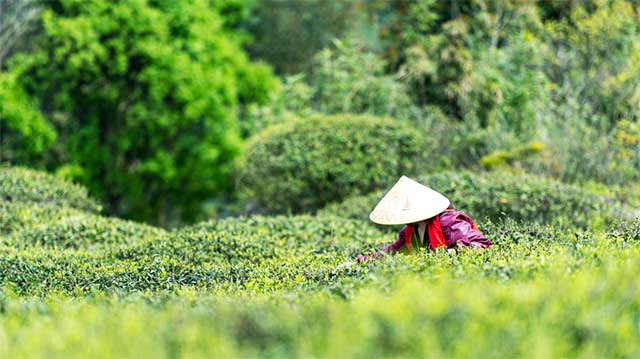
560	281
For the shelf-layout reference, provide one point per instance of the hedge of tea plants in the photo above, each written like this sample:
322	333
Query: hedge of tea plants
88	252
84	231
18	184
269	255
299	166
559	298
15	216
74	283
592	313
29	198
502	194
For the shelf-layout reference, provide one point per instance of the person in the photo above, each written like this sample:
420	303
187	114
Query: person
429	218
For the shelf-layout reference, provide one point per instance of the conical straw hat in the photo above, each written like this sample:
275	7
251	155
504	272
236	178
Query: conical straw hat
408	202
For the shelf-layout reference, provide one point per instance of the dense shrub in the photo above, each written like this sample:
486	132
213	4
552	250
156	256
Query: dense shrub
86	231
19	184
258	254
589	314
149	92
15	216
302	165
628	230
347	78
502	194
565	280
306	266
264	255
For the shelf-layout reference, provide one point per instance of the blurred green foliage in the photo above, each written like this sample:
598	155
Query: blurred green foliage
148	103
303	164
485	77
17	19
291	100
560	315
596	57
346	78
24	131
592	61
503	158
143	96
288	34
475	60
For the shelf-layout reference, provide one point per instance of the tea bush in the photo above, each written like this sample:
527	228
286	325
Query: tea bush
261	254
18	184
592	313
626	230
269	255
85	231
503	194
15	216
289	286
302	165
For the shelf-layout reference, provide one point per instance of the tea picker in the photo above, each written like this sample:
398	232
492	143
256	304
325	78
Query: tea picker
429	218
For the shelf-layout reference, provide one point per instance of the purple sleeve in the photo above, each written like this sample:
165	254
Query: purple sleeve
398	244
461	233
391	248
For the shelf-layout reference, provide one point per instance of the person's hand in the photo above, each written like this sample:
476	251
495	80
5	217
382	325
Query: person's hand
374	255
344	265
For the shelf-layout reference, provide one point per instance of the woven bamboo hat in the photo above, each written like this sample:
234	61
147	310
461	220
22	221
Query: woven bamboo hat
408	202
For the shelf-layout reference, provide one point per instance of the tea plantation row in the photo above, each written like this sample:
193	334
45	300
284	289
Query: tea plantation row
272	255
592	312
50	246
75	283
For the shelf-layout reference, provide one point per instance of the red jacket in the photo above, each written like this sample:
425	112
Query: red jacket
458	230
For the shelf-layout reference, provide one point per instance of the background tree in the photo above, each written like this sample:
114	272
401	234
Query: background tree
23	131
16	19
143	96
288	34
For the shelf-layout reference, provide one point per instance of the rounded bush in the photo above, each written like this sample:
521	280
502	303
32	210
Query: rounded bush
301	165
85	231
18	184
502	194
15	216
